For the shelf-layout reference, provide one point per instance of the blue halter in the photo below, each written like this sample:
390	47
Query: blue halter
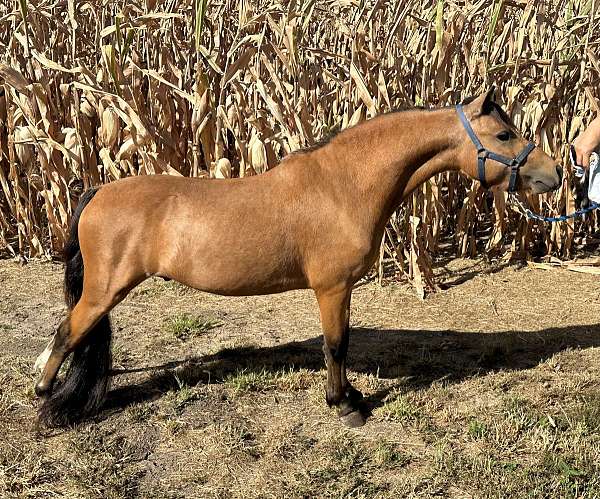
483	154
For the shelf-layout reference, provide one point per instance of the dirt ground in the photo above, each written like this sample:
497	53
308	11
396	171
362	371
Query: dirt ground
490	388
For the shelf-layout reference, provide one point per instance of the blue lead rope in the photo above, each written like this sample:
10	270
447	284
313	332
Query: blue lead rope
563	218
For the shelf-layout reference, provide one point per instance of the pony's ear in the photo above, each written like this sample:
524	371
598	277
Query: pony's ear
484	104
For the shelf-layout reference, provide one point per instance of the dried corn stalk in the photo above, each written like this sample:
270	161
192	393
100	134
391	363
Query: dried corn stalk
98	91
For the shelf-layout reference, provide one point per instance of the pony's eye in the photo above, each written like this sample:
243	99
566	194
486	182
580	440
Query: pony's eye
503	136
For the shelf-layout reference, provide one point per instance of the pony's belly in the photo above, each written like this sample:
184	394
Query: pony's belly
238	277
242	286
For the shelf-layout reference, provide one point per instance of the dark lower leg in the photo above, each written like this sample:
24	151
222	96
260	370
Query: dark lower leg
335	317
338	387
70	333
59	352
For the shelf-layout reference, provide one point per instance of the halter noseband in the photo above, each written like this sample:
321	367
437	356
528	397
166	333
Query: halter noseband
483	154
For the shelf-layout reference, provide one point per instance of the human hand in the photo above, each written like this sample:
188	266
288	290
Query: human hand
587	142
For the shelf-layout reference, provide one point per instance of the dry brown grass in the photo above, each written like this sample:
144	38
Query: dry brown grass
95	91
488	389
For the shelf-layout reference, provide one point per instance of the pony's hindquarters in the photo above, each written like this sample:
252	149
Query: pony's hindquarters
86	332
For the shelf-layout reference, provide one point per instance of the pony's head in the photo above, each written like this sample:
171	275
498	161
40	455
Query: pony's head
492	150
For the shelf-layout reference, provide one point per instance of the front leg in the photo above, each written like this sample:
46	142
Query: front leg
335	321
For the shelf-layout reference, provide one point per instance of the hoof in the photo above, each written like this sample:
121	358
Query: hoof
354	419
351	415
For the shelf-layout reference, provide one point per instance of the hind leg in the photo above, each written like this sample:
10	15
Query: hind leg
99	297
40	362
70	334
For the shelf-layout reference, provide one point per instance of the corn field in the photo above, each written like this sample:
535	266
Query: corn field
94	91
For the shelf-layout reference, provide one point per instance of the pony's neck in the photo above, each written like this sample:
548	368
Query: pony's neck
386	158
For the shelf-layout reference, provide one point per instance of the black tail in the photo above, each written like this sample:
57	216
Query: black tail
86	381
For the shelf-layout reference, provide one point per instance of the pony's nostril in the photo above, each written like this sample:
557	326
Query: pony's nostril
559	171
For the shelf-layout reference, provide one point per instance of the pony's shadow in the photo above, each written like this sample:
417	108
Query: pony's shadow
418	358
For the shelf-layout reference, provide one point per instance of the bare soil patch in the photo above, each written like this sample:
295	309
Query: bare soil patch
487	389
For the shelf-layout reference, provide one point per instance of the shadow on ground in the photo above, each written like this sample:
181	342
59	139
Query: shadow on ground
418	357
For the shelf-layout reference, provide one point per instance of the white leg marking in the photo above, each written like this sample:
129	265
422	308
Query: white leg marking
40	362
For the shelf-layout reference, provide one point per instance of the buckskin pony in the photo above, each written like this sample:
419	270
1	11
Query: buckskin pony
315	221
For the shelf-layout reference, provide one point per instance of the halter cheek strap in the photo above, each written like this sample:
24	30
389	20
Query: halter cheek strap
483	154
